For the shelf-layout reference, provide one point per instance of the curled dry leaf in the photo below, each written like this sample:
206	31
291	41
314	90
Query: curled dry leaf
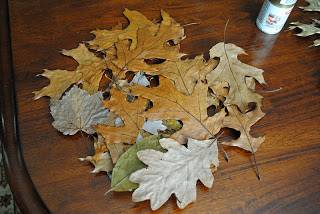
129	113
307	29
234	72
242	123
168	103
129	162
78	111
88	73
151	45
314	5
175	172
106	38
101	158
185	73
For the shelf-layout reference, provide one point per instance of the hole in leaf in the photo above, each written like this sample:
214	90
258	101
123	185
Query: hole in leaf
171	43
131	98
221	106
227	112
130	75
106	95
97	53
106	80
210	90
211	110
154	80
228	134
154	61
149	105
252	106
100	54
108	73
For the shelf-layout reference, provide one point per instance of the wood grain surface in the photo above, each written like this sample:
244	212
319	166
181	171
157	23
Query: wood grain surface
288	160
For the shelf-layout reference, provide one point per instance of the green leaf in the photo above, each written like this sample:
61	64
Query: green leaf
172	127
129	163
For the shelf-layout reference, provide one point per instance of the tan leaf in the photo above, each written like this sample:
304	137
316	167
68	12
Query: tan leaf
106	38
168	103
234	72
185	73
60	80
242	123
116	150
307	29
129	113
151	45
101	158
88	72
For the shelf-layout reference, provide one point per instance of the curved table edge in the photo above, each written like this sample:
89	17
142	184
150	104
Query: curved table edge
23	189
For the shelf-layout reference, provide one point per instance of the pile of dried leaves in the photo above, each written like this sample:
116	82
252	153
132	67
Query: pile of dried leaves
153	111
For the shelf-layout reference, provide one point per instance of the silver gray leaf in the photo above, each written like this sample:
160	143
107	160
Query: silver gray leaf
78	110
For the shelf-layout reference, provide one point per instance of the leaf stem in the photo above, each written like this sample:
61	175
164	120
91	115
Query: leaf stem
250	144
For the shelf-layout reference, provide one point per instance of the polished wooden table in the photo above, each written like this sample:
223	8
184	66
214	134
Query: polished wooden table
289	160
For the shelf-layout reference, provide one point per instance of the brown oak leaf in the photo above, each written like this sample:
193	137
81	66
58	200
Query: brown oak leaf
151	44
168	103
88	73
242	123
129	113
106	38
186	73
234	72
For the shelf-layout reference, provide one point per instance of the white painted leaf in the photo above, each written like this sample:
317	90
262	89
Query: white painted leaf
314	5
174	172
78	110
153	126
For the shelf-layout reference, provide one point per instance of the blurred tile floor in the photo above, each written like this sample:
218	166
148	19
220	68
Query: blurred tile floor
7	204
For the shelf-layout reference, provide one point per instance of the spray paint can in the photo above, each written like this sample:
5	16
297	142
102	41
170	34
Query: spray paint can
274	14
